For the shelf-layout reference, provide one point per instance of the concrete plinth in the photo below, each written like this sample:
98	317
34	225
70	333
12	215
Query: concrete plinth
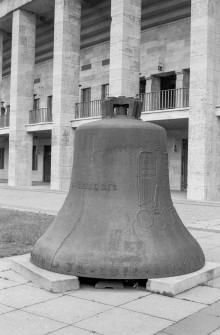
50	281
174	285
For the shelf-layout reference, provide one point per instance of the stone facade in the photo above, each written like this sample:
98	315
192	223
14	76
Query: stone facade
187	49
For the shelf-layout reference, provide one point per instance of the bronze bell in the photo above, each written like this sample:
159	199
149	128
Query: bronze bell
118	220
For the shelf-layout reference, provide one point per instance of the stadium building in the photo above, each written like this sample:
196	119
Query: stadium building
60	58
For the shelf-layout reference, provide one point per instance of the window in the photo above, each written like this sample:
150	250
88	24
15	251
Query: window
86	102
34	159
49	102
49	107
36	104
105	91
86	94
2	156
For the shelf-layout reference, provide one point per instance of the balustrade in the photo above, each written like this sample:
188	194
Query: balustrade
40	115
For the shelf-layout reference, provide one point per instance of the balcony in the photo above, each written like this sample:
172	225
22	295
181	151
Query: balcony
88	109
161	100
41	115
4	121
168	99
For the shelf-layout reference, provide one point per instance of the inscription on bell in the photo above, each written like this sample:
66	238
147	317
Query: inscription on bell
95	186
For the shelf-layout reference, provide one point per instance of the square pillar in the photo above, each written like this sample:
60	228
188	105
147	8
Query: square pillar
179	79
21	97
125	48
148	88
204	126
66	66
1	61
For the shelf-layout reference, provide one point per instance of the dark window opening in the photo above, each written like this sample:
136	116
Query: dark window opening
34	159
2	158
105	91
36	104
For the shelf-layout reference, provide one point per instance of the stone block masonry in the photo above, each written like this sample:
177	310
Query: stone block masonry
21	97
66	66
204	128
125	48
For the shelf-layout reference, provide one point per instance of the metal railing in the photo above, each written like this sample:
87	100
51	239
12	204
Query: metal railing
167	99
40	115
4	121
161	100
88	109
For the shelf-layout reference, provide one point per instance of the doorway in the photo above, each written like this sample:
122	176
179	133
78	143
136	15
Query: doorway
47	164
167	87
184	164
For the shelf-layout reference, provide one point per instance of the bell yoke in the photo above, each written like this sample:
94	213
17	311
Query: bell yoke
118	220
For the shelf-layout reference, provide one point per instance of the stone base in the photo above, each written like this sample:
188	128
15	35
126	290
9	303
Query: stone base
174	285
50	281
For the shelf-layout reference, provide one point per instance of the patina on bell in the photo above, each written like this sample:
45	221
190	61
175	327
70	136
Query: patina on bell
118	220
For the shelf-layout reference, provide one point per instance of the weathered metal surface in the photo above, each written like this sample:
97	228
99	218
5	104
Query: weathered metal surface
118	220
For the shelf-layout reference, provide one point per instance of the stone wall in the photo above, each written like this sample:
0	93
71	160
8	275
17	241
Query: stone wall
43	86
98	75
168	45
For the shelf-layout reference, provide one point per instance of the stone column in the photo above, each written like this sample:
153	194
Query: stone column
179	96
148	88
66	65
204	126
1	60
125	48
21	97
179	79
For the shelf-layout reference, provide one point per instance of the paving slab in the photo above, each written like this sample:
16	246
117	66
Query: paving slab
22	323
213	283
201	294
217	332
13	276
201	234
172	286
118	321
109	297
213	309
164	307
24	295
4	283
5	309
67	309
213	255
50	281
71	330
196	324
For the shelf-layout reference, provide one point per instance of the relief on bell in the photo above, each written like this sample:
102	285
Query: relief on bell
147	178
154	200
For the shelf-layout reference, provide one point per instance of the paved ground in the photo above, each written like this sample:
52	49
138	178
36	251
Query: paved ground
28	310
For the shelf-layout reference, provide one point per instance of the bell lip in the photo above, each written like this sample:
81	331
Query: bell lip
129	277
